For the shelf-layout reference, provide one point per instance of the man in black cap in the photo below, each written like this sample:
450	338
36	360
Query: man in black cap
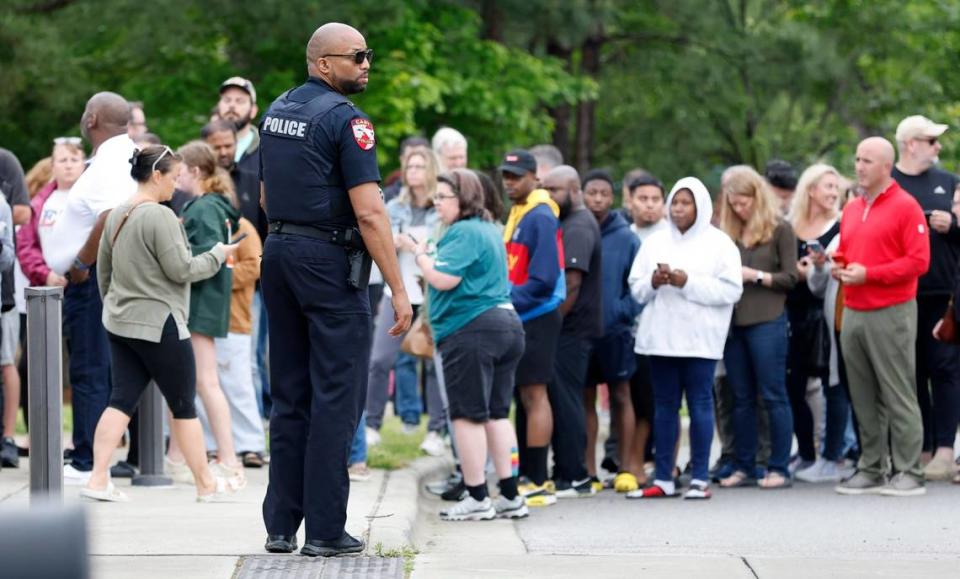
534	259
238	103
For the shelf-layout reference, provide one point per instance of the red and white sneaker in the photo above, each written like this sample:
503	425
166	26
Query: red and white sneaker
653	491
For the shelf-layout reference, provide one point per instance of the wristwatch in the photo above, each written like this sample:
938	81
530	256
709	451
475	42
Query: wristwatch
79	265
759	280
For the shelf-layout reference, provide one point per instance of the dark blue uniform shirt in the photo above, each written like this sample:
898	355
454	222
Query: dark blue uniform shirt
315	146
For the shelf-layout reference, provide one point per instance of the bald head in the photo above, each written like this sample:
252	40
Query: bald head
563	184
874	162
331	56
881	148
106	115
332	38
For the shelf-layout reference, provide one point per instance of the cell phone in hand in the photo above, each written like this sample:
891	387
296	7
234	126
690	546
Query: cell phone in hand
815	247
663	267
238	238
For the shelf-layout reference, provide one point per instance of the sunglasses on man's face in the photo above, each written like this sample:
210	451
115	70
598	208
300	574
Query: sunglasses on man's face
67	141
358	57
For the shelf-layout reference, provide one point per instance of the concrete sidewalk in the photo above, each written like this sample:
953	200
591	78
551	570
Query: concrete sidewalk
164	533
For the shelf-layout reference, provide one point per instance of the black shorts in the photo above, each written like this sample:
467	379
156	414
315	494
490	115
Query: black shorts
134	363
539	355
479	362
611	360
641	388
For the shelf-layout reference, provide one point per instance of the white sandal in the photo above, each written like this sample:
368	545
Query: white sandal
107	495
224	490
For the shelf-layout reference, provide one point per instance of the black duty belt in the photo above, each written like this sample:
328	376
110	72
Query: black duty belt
345	236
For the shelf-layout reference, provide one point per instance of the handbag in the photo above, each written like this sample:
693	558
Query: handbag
419	340
815	336
947	330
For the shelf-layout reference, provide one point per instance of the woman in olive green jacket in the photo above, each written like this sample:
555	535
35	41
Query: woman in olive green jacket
208	219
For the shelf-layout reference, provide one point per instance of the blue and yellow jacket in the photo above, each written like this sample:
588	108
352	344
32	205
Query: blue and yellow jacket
535	256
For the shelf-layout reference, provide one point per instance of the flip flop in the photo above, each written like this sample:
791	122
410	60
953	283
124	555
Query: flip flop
739	479
107	495
783	482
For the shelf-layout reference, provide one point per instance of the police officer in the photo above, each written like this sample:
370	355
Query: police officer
320	180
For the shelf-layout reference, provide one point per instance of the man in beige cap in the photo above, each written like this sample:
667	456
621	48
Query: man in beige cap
238	103
938	364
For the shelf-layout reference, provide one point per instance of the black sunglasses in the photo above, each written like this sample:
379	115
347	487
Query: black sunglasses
358	57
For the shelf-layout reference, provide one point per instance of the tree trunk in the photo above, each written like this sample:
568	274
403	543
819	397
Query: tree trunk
492	21
561	113
590	67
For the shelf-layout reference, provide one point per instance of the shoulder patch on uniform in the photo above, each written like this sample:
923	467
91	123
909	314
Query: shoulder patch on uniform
363	133
290	128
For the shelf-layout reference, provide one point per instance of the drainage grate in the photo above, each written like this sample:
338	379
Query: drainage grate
297	567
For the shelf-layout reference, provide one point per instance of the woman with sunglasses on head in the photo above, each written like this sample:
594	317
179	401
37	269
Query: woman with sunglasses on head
480	339
145	270
208	218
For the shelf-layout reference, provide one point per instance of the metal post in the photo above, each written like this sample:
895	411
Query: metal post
44	377
151	440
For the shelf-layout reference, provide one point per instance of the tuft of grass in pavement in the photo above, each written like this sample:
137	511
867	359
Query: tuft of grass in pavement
406	552
67	420
396	449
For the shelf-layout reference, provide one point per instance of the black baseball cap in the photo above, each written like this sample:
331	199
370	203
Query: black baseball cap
518	162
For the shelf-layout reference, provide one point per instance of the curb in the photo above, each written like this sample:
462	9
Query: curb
393	524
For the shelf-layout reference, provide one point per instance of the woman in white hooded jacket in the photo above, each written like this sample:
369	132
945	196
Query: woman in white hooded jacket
688	277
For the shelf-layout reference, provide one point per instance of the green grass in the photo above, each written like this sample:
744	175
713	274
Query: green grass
407	553
396	449
67	420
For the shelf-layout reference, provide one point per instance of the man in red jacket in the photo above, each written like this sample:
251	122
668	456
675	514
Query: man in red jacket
884	249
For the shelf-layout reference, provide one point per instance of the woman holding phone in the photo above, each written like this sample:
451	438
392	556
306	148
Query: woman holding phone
815	216
688	277
145	269
756	353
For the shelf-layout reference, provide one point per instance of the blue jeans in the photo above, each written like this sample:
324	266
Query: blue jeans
672	377
756	360
406	400
838	413
261	379
89	365
358	448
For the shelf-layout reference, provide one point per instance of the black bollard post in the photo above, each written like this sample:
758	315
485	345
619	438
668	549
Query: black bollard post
44	377
151	440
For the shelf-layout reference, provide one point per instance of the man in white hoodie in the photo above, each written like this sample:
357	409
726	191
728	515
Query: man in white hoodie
689	277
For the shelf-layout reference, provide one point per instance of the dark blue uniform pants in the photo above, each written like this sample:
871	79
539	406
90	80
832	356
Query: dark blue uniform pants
319	332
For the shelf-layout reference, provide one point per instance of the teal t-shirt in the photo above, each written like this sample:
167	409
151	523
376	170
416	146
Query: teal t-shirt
473	250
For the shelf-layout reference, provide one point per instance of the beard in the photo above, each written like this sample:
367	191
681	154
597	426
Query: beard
351	87
565	208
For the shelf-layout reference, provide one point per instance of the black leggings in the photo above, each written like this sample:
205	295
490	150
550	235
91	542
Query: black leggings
170	364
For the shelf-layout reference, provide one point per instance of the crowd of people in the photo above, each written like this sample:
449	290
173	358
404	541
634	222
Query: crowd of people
790	311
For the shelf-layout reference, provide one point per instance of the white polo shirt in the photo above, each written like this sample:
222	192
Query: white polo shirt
105	184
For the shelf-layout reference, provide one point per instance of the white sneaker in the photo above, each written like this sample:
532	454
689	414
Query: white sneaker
820	472
373	436
178	471
470	509
433	444
515	509
75	478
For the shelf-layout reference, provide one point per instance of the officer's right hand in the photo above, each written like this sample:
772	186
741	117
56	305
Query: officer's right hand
402	313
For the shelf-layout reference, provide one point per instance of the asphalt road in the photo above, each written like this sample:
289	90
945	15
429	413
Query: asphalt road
806	531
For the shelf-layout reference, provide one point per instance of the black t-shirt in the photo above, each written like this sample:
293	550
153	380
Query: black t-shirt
247	186
582	251
933	189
